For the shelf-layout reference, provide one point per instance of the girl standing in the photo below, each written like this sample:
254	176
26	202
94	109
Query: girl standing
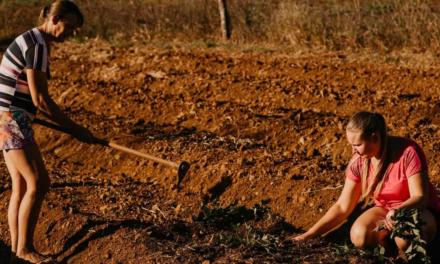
24	74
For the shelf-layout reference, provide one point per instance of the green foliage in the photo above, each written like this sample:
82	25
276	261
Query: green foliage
347	249
250	237
379	253
235	229
211	43
408	225
232	215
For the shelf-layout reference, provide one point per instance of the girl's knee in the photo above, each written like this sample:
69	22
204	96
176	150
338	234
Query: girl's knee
363	237
358	236
18	192
31	194
40	185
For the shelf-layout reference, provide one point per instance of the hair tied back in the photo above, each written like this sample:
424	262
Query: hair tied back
46	10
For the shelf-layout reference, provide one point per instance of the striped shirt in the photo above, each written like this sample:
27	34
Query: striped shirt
27	51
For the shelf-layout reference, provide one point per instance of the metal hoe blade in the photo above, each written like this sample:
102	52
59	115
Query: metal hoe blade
181	172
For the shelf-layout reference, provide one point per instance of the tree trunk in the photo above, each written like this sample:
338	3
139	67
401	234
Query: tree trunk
225	19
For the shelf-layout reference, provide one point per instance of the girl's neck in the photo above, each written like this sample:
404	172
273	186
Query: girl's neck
45	33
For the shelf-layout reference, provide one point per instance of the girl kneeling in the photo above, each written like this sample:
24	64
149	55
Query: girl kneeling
390	171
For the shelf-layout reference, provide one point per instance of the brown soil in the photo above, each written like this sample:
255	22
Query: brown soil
255	126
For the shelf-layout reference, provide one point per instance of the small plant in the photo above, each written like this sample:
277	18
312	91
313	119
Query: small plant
408	225
259	239
347	249
235	229
231	216
248	236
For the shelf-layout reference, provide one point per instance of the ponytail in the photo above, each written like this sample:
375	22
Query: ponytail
44	14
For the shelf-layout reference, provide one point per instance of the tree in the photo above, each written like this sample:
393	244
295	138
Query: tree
224	19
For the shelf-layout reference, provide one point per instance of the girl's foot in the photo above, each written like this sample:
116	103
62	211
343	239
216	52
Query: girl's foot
34	257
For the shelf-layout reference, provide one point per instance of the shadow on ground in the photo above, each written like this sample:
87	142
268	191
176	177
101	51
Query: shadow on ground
5	252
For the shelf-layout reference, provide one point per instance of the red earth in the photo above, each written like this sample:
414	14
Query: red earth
259	126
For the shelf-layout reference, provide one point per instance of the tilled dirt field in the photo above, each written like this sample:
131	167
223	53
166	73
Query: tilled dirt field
263	131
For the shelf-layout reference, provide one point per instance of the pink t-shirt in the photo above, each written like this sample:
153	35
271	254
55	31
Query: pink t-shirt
407	160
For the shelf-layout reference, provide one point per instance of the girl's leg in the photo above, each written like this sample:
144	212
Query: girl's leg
30	166
363	233
43	185
428	232
18	190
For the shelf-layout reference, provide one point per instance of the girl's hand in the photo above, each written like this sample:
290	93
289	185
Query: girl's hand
389	222
301	237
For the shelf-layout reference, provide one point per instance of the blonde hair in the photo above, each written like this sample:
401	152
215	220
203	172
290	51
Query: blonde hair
369	123
61	8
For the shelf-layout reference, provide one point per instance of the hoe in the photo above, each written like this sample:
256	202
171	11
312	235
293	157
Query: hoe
182	167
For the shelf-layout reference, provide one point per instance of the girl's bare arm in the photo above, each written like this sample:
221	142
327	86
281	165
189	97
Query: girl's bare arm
38	87
337	213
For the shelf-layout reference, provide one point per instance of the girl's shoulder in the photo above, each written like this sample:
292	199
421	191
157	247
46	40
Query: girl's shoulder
30	38
354	168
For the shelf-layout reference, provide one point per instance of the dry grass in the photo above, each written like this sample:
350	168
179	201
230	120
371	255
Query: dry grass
377	24
382	25
16	17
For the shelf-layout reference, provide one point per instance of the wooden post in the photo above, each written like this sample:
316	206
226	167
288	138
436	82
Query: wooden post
225	19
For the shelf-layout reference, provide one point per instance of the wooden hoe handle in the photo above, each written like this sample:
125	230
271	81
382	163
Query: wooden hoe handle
144	155
111	144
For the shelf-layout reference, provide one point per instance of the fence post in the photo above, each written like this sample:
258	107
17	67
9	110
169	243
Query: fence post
225	19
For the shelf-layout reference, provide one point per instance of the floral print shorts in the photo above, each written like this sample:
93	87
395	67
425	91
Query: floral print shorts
15	130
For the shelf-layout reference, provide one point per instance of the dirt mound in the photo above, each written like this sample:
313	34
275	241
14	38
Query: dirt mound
255	126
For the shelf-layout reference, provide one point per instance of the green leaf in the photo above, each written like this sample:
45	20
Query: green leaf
416	232
409	249
421	250
382	250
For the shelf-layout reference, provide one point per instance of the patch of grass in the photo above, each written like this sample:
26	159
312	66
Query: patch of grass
231	216
378	25
377	255
250	237
211	43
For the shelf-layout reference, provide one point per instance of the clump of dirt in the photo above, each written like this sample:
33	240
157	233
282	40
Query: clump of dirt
256	127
